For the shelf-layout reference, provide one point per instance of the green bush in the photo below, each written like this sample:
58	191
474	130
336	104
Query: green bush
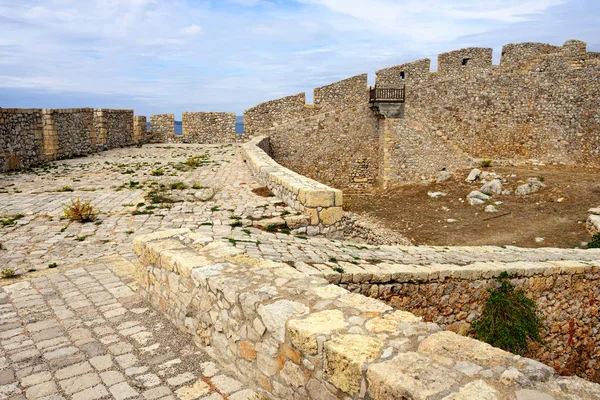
82	211
509	319
486	163
595	242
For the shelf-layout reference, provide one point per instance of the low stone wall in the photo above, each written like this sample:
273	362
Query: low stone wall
208	127
295	336
21	138
453	297
114	128
162	128
68	132
322	204
140	129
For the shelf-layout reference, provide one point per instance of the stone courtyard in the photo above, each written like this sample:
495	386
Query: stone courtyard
71	323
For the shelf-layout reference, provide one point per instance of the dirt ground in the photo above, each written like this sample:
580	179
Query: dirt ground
557	213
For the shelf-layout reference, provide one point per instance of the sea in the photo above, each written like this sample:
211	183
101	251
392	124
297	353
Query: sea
239	126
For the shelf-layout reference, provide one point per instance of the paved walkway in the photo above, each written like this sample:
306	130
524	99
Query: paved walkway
84	334
78	331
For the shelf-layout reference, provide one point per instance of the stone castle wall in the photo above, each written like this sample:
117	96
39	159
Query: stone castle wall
339	148
208	127
29	137
21	138
140	129
336	96
162	128
565	291
68	132
542	102
289	334
114	128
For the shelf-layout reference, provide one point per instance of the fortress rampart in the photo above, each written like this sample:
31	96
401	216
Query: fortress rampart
541	102
29	137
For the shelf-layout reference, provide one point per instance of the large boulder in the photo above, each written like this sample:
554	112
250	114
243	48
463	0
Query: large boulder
593	224
473	175
532	186
492	187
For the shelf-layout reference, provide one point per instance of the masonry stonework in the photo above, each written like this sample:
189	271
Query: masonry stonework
542	102
68	132
208	127
140	129
21	138
162	128
114	128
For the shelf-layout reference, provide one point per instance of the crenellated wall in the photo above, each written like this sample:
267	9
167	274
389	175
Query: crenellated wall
336	96
208	127
29	137
541	102
68	132
21	138
140	129
162	128
114	128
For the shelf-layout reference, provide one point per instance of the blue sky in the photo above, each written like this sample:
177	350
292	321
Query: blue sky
159	56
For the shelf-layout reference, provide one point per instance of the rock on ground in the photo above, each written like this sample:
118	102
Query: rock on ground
532	186
492	187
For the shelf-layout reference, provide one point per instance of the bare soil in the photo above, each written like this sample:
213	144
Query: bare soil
557	213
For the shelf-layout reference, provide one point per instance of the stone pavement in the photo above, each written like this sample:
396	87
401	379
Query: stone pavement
117	182
84	334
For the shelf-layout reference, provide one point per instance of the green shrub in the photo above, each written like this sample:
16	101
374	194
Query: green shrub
82	211
10	220
486	163
595	242
178	186
52	265
509	319
157	172
66	189
7	273
271	228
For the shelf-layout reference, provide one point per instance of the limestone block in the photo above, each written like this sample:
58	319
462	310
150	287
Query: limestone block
296	221
345	356
316	198
331	215
364	304
303	332
451	345
274	316
139	241
410	375
389	322
475	390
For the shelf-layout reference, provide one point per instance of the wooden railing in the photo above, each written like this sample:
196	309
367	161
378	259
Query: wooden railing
392	95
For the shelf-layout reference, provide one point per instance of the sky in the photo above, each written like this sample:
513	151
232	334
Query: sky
169	56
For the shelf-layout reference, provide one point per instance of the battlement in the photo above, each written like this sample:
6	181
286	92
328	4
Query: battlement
473	59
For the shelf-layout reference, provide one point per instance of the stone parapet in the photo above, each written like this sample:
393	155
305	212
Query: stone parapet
208	127
295	336
322	204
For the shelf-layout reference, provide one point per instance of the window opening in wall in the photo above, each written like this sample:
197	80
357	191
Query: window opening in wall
465	61
402	75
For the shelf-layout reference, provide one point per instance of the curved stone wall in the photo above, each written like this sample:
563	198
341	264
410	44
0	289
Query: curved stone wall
322	204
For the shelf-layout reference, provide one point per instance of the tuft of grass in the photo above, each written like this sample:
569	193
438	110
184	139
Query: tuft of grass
236	223
178	186
333	259
486	163
338	269
66	189
206	224
157	172
52	265
10	220
595	242
81	238
196	186
7	273
509	319
246	231
271	228
80	211
2	247
215	208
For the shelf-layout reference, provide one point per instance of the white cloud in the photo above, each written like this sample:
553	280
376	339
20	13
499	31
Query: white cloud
192	30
